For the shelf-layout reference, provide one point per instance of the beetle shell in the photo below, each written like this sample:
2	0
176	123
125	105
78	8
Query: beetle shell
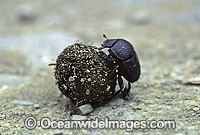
122	49
133	69
127	58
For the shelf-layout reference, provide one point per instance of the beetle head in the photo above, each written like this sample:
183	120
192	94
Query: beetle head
108	43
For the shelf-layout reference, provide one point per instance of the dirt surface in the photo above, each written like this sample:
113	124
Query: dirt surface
165	35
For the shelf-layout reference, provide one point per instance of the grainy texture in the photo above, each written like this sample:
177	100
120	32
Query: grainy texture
84	76
165	34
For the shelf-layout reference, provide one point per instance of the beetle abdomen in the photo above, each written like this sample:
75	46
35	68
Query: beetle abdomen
133	68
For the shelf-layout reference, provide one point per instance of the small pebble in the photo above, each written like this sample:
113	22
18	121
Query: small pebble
21	102
158	97
165	87
58	133
36	106
195	109
24	133
2	116
79	117
127	114
186	101
164	107
192	81
180	134
113	107
85	109
52	104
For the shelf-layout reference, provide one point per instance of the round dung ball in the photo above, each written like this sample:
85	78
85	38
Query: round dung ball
84	76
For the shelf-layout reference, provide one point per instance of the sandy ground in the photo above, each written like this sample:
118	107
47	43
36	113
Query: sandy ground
165	35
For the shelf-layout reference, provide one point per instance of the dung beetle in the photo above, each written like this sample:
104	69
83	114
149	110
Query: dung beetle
123	54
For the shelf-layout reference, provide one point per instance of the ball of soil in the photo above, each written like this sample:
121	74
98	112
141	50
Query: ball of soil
84	76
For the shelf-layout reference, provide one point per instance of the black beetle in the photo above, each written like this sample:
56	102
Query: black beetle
123	54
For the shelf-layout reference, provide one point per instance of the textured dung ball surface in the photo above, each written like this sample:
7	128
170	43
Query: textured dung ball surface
82	75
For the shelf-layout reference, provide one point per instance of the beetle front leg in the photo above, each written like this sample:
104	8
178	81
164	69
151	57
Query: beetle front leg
126	94
100	48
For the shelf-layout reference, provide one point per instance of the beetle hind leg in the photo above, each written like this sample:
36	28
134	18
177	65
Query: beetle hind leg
126	94
121	85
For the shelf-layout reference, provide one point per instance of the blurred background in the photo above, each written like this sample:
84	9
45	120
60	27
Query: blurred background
164	33
46	27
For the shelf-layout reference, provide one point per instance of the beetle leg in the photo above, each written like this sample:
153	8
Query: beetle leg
121	85
113	71
100	48
126	92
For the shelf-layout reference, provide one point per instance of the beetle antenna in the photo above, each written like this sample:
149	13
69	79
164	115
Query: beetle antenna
105	36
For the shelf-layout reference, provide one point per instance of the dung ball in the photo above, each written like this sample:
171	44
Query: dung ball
84	76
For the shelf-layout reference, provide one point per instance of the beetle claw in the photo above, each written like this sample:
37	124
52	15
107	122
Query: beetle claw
126	95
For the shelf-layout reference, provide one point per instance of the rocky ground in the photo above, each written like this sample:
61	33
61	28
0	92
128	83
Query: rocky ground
165	35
